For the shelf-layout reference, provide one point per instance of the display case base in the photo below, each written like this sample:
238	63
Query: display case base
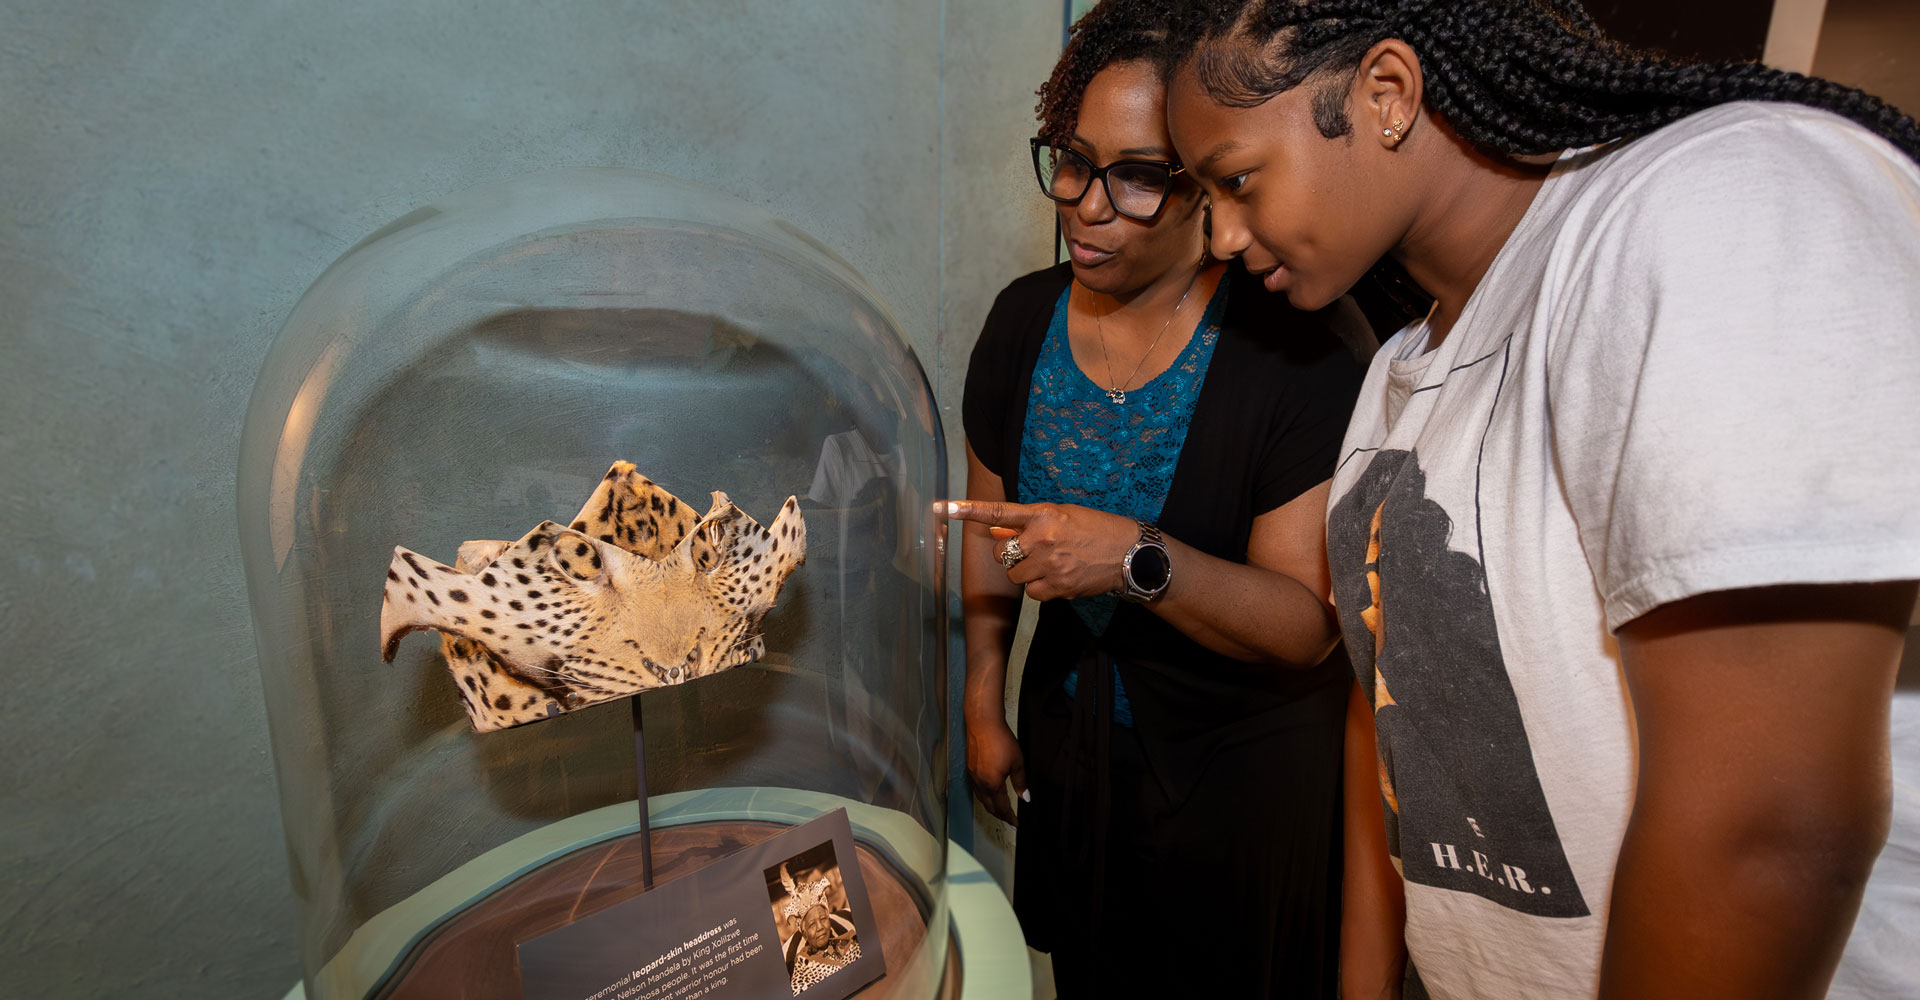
468	949
472	954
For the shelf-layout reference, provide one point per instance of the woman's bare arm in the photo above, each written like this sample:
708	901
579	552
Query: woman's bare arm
1373	905
1276	607
990	606
1763	790
1273	608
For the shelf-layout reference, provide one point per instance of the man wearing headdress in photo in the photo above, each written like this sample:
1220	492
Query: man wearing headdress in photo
823	941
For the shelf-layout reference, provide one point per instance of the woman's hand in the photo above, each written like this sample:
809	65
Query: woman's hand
1272	608
1069	550
994	760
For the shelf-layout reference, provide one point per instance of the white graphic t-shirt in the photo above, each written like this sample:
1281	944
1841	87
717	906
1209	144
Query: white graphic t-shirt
1695	366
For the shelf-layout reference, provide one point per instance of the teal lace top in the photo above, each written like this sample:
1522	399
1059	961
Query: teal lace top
1080	447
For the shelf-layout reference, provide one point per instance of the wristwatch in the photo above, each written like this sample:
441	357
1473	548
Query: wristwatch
1146	570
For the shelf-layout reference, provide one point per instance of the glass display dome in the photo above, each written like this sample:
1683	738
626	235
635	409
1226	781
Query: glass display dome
474	369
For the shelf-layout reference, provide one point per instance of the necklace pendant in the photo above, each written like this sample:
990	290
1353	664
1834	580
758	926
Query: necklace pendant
1117	395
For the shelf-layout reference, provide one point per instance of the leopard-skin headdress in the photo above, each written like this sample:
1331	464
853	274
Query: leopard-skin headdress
800	899
637	592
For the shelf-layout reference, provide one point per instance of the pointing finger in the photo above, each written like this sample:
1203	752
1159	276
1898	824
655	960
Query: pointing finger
990	512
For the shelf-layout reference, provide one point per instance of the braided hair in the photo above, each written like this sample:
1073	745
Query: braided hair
1518	77
1114	31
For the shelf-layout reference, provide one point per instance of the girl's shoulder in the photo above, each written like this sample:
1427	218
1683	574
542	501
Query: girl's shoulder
1744	152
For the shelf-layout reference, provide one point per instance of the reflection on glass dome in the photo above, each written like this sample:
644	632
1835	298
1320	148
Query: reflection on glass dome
472	371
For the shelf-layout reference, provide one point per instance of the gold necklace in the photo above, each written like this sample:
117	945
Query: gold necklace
1117	393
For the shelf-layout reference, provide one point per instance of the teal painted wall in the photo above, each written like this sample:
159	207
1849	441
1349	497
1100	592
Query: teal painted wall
174	174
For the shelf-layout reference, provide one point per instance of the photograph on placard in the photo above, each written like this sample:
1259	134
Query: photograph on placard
811	911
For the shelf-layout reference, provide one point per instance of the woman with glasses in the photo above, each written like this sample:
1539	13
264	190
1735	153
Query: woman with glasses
1149	437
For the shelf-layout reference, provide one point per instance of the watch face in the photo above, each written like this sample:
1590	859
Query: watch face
1149	569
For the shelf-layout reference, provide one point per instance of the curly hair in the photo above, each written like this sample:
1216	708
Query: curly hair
1518	77
1114	31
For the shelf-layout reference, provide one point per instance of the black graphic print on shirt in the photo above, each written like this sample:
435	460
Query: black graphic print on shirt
1462	798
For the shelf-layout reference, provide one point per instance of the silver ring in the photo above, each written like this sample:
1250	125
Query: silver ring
1011	552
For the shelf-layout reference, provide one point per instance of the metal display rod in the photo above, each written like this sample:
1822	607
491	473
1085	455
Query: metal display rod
640	780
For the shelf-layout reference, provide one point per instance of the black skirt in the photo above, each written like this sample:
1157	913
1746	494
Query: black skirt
1145	880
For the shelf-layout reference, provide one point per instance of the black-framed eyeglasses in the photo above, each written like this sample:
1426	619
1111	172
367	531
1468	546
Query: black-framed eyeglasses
1137	189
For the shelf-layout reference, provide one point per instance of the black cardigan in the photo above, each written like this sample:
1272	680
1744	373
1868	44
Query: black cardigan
1266	428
